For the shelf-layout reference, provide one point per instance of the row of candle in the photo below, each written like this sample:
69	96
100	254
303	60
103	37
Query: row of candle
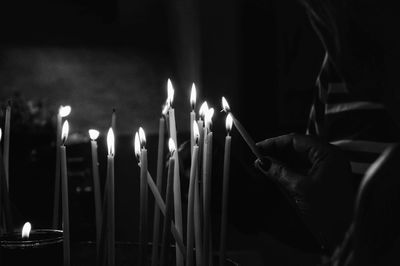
198	226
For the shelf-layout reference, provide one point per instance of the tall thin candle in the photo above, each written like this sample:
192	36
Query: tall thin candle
94	134
143	199
156	224
190	211
177	182
225	190
64	185
250	142
63	111
168	203
6	143
111	198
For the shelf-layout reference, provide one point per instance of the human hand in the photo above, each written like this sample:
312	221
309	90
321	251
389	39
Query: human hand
317	177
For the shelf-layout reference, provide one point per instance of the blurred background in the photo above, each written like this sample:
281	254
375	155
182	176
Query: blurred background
98	55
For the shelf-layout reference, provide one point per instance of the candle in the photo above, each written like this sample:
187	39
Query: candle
207	187
225	190
193	95
250	142
5	224
143	199
94	134
31	247
190	212
169	202
7	144
63	111
177	182
111	198
64	194
158	199
156	224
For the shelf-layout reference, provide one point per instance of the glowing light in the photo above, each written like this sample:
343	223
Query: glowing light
64	132
93	134
208	117
111	142
171	91
142	137
165	109
225	105
196	132
26	230
1	133
203	109
137	145
171	146
228	123
193	96
64	110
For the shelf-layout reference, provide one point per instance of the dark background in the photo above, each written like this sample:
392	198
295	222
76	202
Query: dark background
96	55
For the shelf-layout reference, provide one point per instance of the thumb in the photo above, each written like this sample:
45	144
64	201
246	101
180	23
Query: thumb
280	173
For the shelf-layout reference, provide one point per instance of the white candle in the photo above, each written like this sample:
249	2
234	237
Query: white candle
190	211
111	198
177	181
169	202
143	199
7	143
64	185
225	191
94	134
63	111
156	224
250	142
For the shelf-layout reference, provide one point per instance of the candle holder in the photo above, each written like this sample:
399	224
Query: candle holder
44	246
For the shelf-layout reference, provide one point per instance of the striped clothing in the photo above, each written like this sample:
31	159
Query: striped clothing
357	123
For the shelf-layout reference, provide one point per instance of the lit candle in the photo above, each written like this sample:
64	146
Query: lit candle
63	111
225	189
190	212
31	247
94	134
64	193
157	196
193	95
111	197
207	186
7	143
169	202
156	224
177	182
143	199
250	142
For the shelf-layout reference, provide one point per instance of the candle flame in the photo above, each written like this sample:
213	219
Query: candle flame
137	146
225	105
1	133
26	230
93	134
64	132
203	109
142	137
165	109
64	110
171	91
171	146
110	142
229	122
196	132
208	117
193	96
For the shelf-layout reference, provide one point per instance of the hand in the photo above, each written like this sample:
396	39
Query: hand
317	177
